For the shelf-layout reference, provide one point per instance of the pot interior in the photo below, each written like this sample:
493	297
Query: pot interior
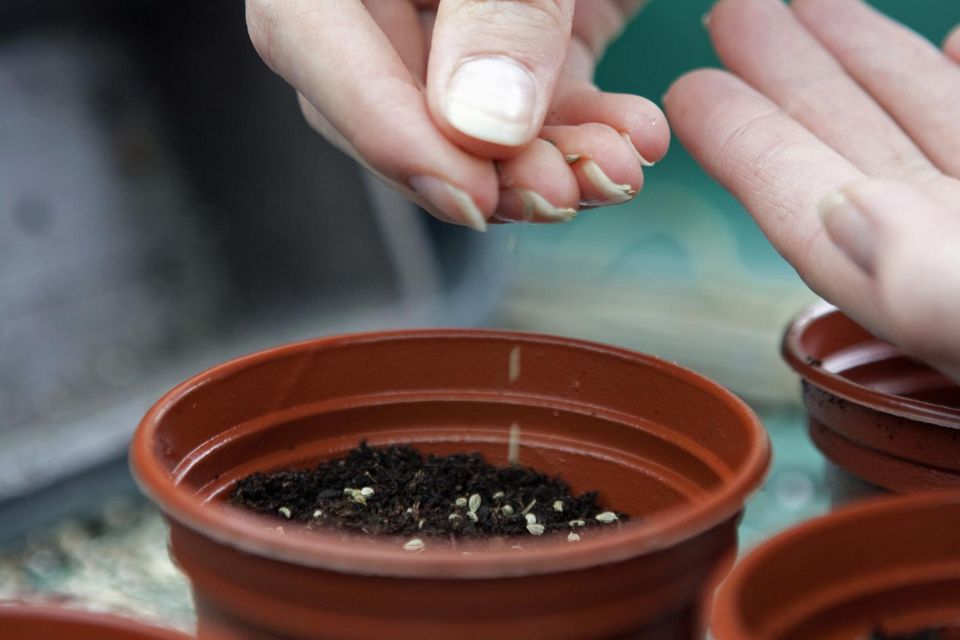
647	435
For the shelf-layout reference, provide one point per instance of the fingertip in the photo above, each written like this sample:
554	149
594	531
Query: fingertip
951	46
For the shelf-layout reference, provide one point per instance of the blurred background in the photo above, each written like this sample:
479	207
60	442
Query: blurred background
163	207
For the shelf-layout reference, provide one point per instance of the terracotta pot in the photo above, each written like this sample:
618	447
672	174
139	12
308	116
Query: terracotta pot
40	622
890	564
876	413
659	442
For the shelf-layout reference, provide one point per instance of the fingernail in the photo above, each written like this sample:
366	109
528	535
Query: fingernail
536	208
643	161
450	201
612	192
492	99
849	229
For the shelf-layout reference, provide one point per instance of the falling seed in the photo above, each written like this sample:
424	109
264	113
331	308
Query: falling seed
536	529
513	447
573	537
606	517
414	544
461	502
531	519
507	510
557	505
285	512
577	523
527	508
513	367
366	492
474	502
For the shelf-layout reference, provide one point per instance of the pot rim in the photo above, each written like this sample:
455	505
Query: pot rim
318	550
800	361
42	611
725	620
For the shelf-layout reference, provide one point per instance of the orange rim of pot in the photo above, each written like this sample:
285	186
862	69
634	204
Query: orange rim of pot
41	612
801	361
725	619
246	532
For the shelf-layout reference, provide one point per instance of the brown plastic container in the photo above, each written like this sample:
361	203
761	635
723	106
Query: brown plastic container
659	442
877	414
47	622
889	564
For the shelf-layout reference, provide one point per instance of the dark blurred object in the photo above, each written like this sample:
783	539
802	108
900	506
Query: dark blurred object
165	207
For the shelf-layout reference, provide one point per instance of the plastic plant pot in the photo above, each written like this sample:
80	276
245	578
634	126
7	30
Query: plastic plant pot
38	622
665	445
887	564
875	413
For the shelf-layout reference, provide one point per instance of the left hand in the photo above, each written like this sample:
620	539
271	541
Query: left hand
830	103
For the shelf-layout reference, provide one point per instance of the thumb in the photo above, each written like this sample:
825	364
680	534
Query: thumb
909	245
493	68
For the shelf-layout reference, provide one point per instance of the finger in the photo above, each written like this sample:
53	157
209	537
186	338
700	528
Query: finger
905	73
763	43
597	23
335	55
400	22
537	186
907	243
776	168
493	69
951	46
605	166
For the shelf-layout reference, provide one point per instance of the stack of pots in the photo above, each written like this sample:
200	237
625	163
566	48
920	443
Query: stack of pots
887	567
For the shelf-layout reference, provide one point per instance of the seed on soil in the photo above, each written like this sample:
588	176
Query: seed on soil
573	537
414	544
606	517
536	529
557	505
577	523
415	496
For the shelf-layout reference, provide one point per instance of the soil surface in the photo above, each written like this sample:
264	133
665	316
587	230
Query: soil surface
397	490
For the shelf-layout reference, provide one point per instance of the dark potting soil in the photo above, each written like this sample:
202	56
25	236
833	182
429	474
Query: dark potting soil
396	490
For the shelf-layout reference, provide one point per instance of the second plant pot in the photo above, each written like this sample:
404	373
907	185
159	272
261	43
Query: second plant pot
875	413
672	449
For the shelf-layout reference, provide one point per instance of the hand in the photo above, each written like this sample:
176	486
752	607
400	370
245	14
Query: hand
833	103
428	93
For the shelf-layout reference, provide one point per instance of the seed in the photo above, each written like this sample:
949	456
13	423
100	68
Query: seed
357	495
606	517
517	547
535	529
461	502
513	368
285	512
454	516
472	515
317	513
420	524
527	508
507	510
475	502
573	537
414	544
557	505
513	445
531	519
570	158
498	495
577	523
366	492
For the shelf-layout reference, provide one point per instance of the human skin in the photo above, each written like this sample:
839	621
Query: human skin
839	131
